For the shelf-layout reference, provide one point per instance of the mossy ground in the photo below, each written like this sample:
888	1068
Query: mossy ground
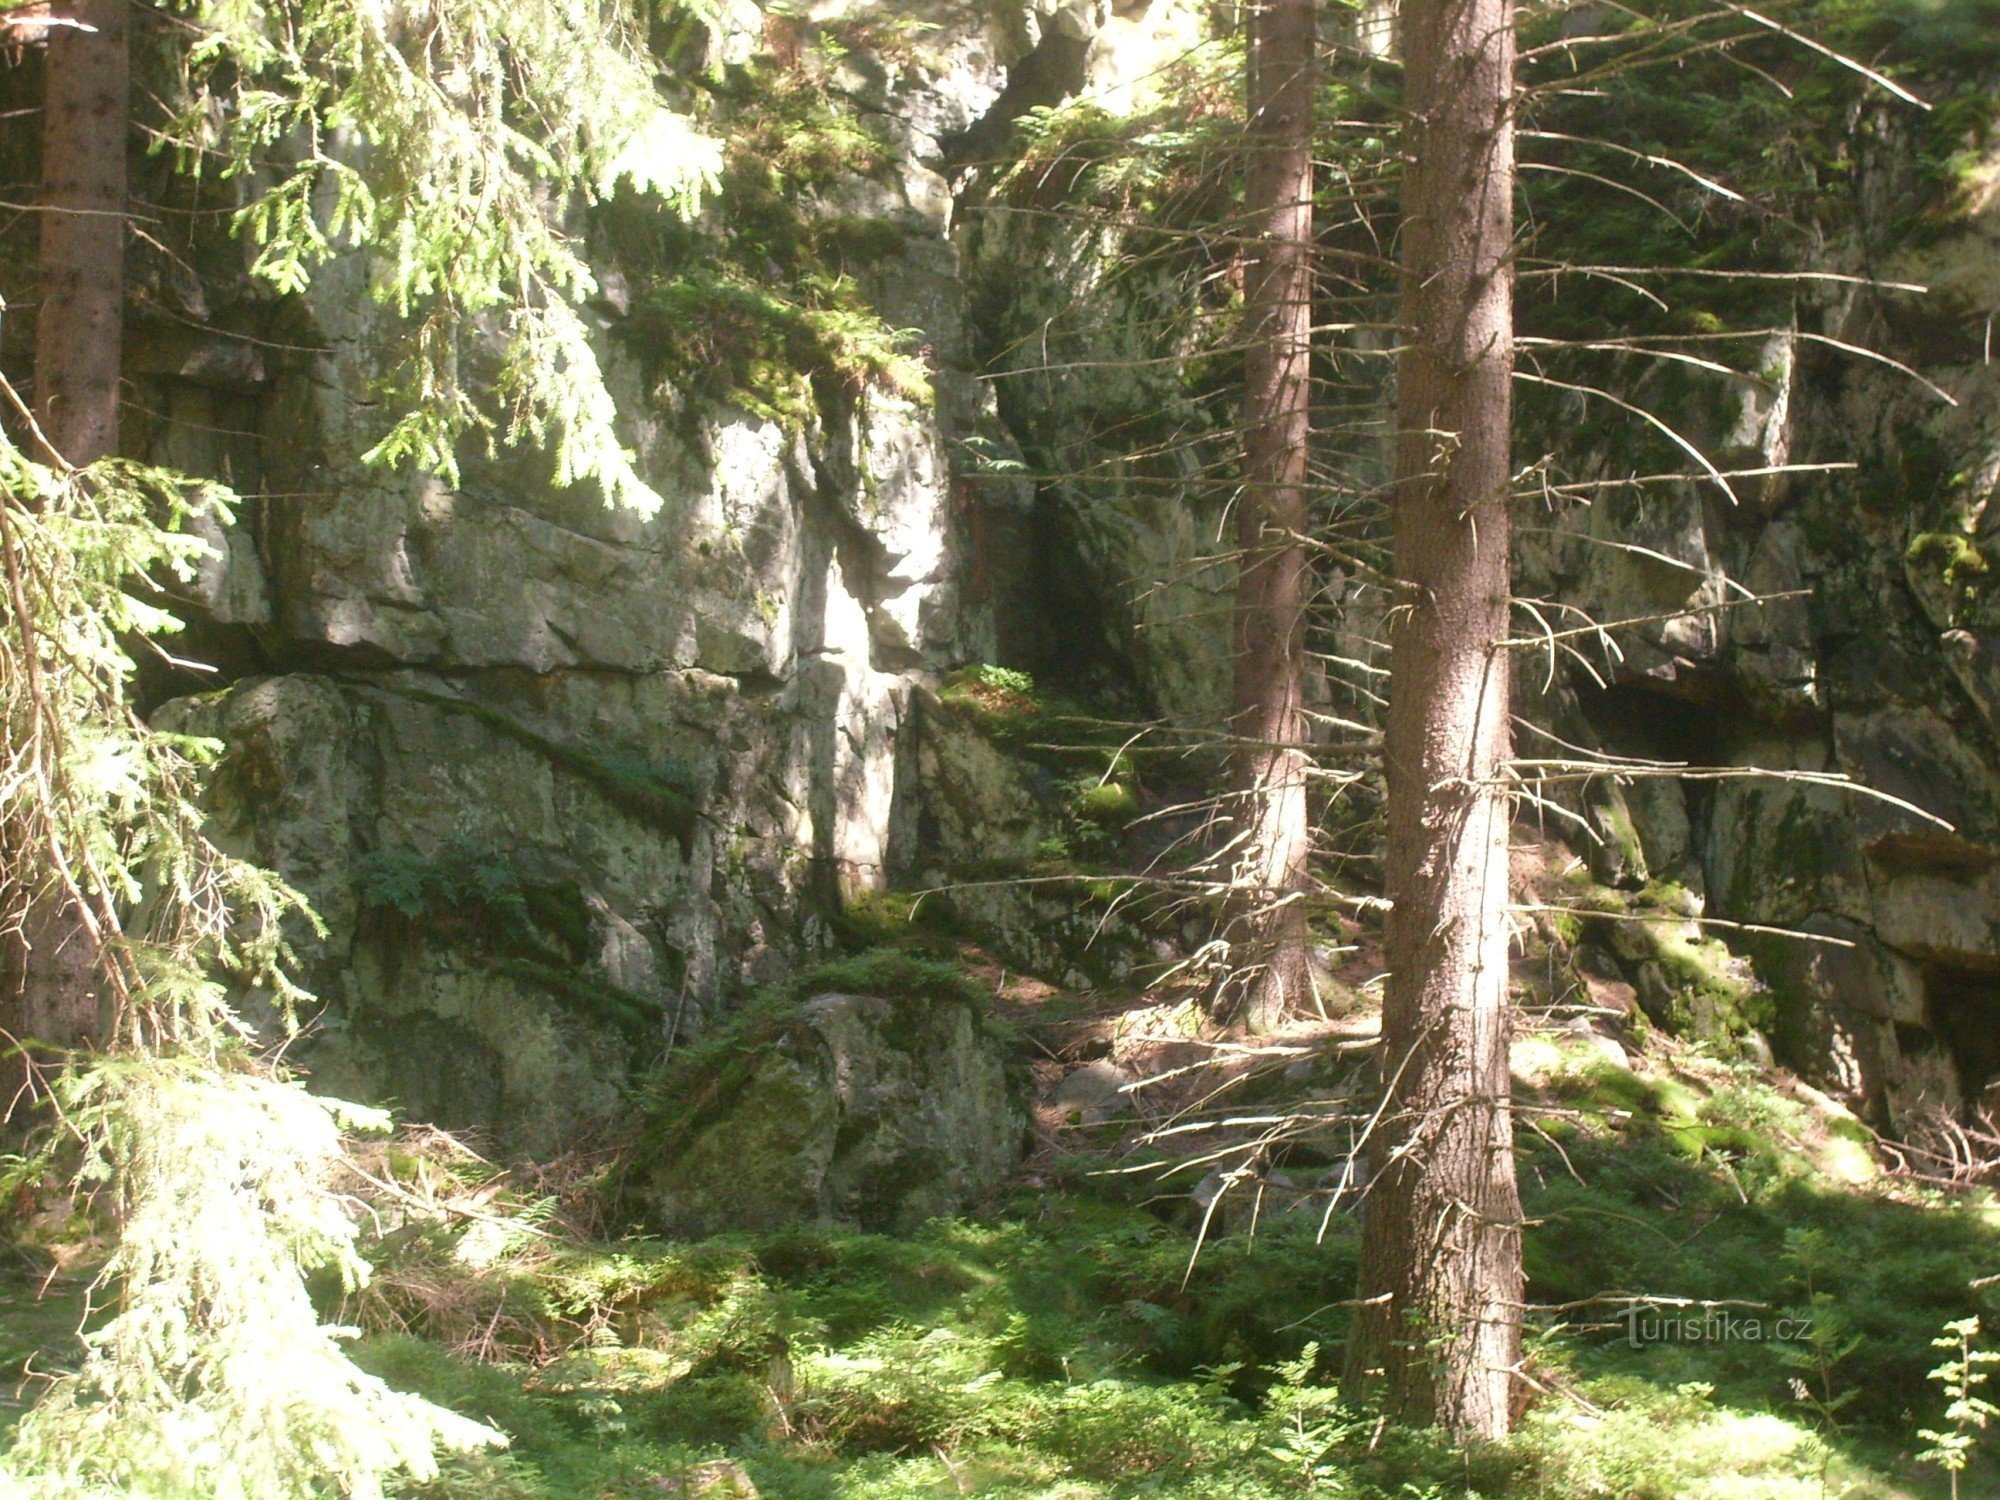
1069	1343
1055	1352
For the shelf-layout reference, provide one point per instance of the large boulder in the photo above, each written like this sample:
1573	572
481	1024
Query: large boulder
856	1110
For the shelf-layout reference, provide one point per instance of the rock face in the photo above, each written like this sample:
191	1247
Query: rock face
1873	670
565	781
1876	659
862	1111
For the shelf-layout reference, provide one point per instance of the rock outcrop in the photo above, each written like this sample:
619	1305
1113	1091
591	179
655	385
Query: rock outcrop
860	1110
1862	513
566	783
1869	664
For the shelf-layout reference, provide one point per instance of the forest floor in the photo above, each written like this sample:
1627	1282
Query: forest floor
1129	1319
1113	1327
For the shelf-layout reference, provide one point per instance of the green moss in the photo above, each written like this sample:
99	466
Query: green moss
1951	568
717	333
592	998
1784	860
534	929
1000	700
1947	553
664	790
1617	849
879	919
894	975
1079	1348
1668	895
763	306
1109	804
1588	1083
558	908
1592	898
1697	1141
1712	1001
699	1080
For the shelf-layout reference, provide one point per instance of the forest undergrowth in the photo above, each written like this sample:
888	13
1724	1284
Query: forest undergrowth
1089	1335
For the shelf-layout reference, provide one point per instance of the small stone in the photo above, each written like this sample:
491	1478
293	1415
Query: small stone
1533	1060
1608	1050
1614	995
1094	1093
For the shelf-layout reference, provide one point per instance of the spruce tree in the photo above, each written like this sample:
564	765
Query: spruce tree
1272	975
49	950
452	144
1438	1330
78	325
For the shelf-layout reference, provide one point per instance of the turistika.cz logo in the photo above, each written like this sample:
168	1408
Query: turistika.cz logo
1650	1324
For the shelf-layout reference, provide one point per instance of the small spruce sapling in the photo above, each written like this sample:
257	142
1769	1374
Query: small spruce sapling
1309	1422
1961	1375
1827	1339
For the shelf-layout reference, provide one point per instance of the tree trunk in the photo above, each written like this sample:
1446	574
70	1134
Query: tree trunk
48	957
1439	1328
78	327
1273	829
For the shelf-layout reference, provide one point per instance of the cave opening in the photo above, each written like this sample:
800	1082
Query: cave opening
1674	722
1053	614
1050	73
1655	721
1962	999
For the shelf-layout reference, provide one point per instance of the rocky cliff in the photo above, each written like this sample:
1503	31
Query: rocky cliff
564	782
1821	609
561	781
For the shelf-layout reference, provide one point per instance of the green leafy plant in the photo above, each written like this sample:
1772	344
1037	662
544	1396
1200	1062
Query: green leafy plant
443	141
216	1375
717	333
1963	1372
533	927
1001	699
1827	1339
97	809
1308	1420
417	885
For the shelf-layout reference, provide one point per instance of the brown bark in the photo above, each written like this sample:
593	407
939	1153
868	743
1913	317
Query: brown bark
1273	829
48	957
1439	1328
78	341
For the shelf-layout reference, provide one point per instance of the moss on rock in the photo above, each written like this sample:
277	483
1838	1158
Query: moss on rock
875	1091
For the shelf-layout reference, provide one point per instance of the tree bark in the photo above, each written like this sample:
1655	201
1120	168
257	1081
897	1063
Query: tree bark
48	957
1272	975
1438	1332
78	328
